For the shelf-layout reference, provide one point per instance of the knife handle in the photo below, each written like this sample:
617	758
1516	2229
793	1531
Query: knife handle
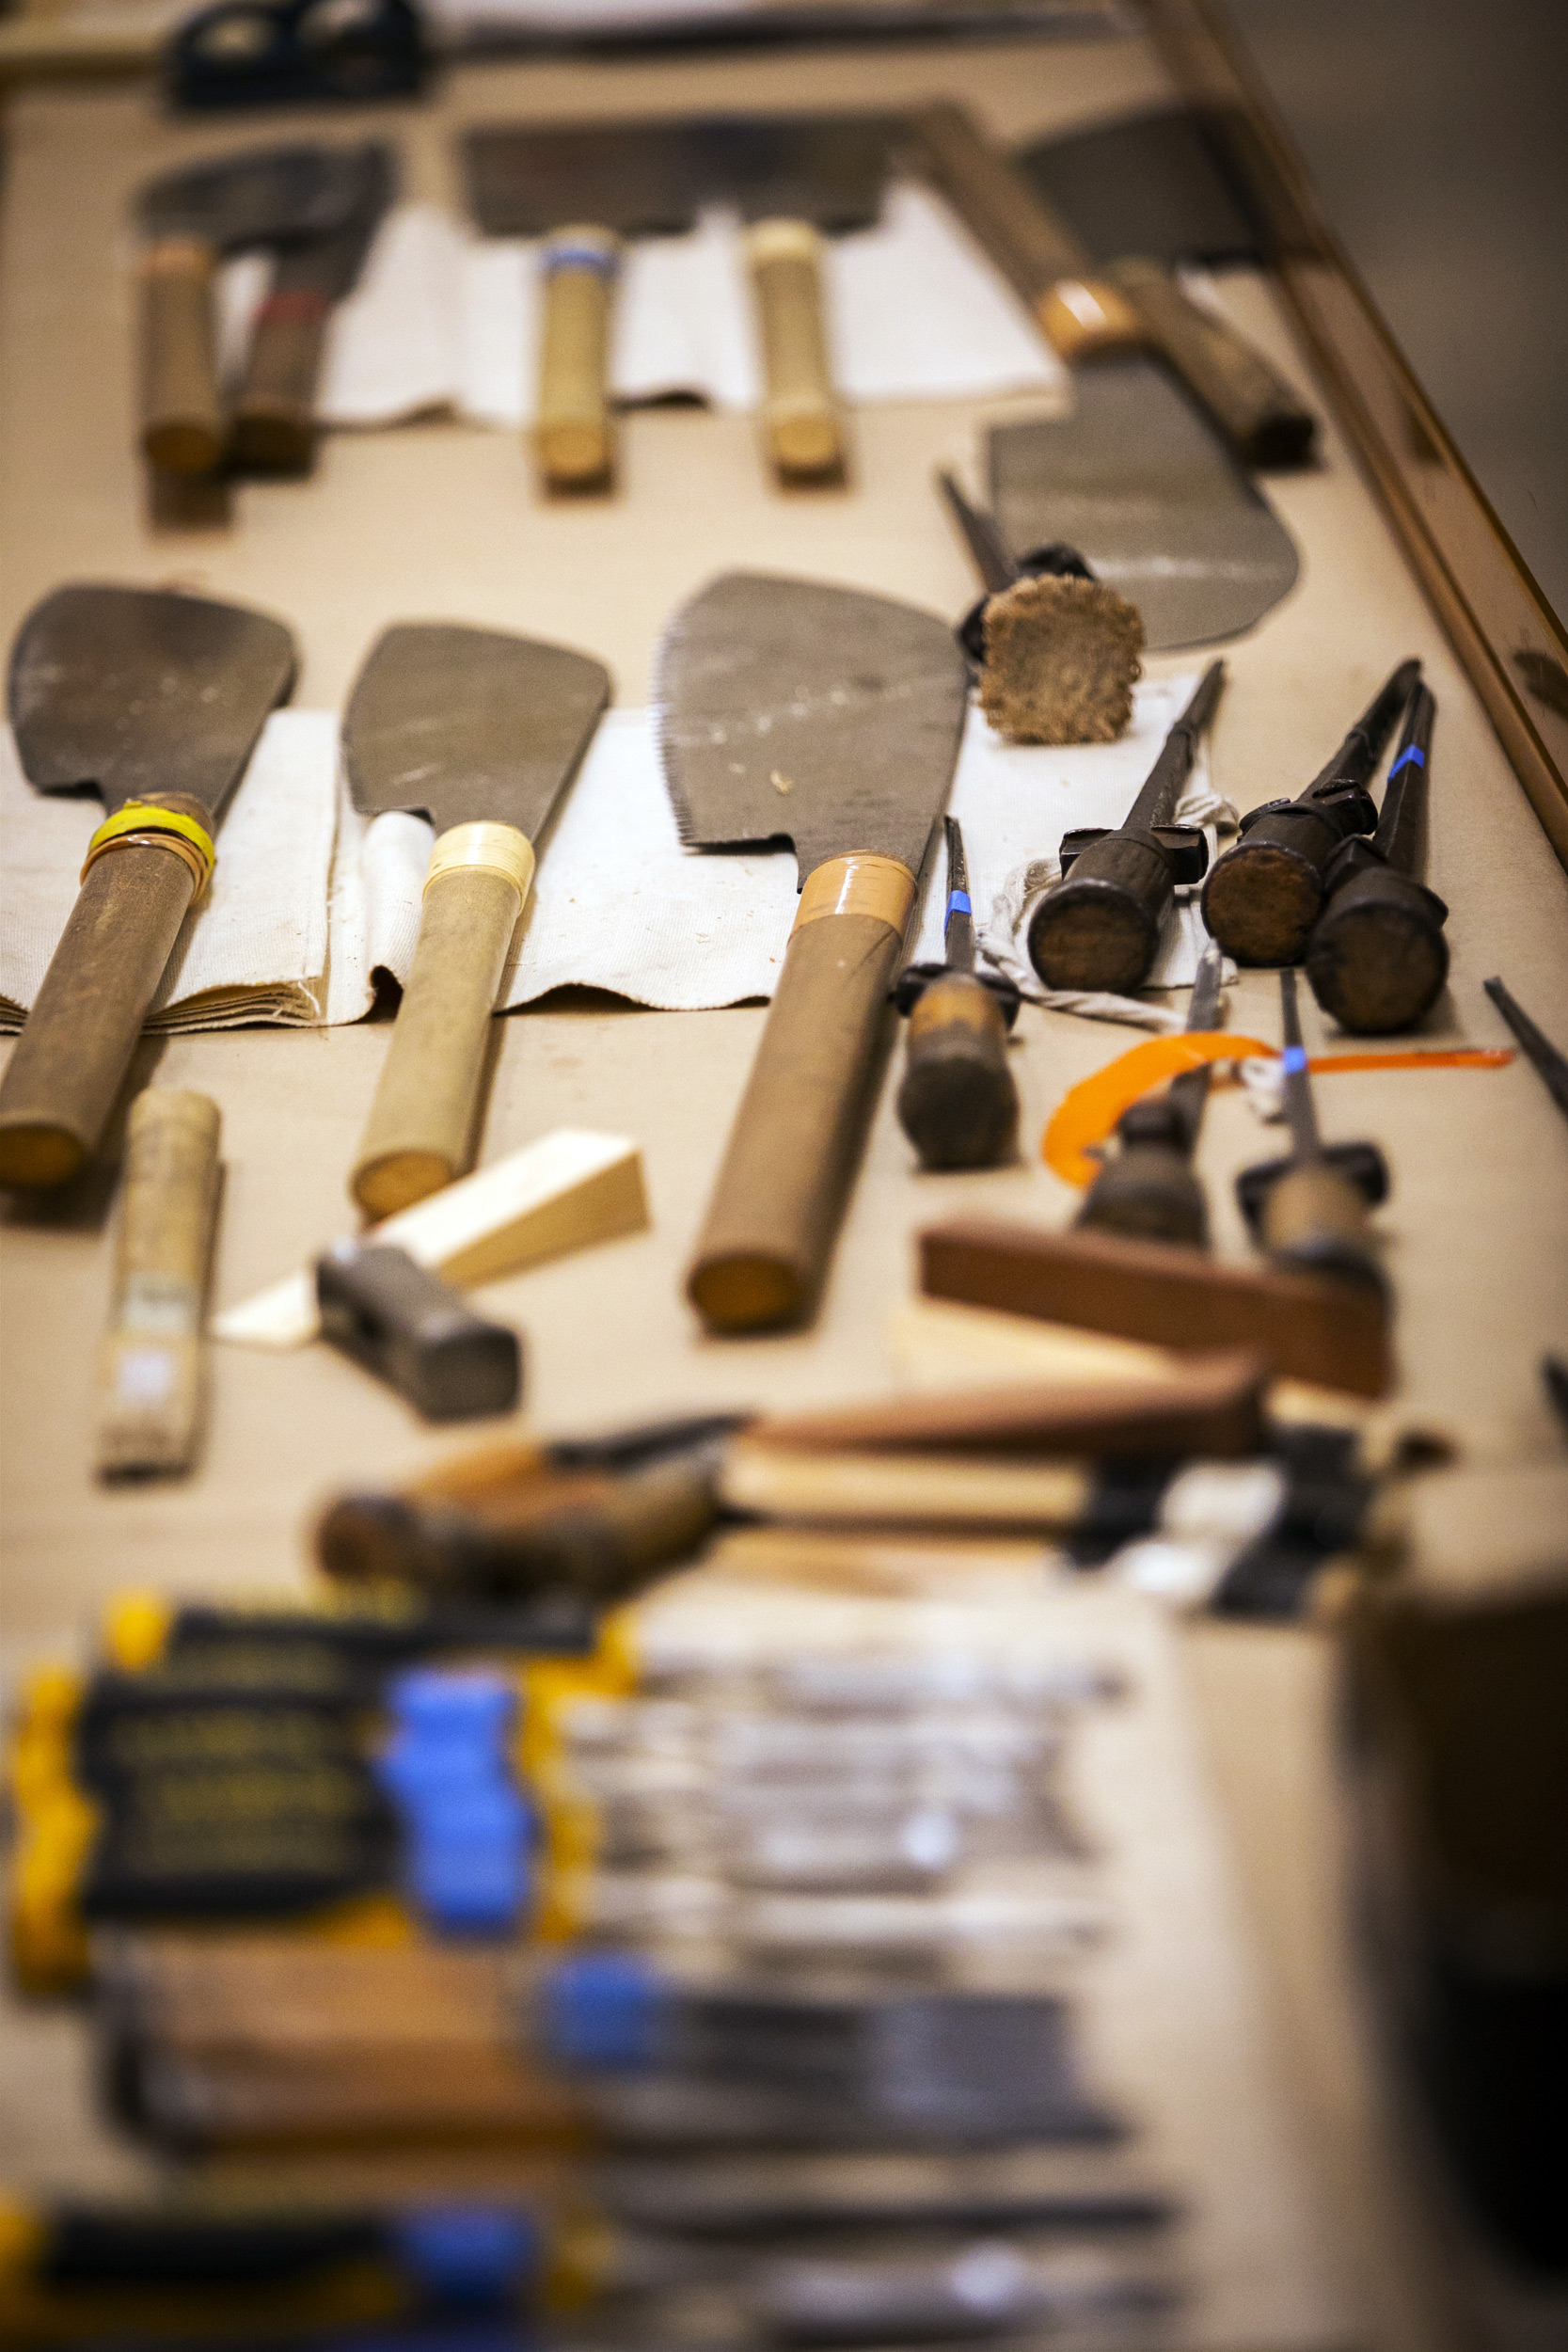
182	425
274	425
420	1132
800	417
1256	410
775	1208
571	434
70	1059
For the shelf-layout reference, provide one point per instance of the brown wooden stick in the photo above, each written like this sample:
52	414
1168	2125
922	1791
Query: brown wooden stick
1308	1325
775	1208
69	1061
572	434
182	426
151	1366
800	417
274	425
1255	408
1214	1406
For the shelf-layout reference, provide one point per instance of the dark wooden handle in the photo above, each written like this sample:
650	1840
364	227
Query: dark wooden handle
958	1102
1098	927
1256	410
1315	1221
1151	1191
273	427
775	1208
71	1058
1378	959
183	423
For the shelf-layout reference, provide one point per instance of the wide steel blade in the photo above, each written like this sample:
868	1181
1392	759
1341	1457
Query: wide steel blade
260	196
641	178
1150	184
825	717
462	724
1139	481
328	266
134	693
830	170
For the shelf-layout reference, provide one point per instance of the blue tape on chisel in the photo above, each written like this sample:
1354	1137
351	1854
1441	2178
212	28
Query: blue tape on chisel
1410	752
958	903
1295	1059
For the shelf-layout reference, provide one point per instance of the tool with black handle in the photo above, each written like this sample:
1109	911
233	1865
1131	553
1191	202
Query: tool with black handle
1265	895
273	425
1148	1187
1098	927
154	701
1310	1210
1054	649
830	718
1377	958
1550	1066
411	1329
1134	303
958	1102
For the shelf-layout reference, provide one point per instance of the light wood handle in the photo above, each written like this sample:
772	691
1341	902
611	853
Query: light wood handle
1256	410
420	1131
1024	238
183	423
571	434
69	1061
1315	1221
799	419
274	425
775	1208
151	1366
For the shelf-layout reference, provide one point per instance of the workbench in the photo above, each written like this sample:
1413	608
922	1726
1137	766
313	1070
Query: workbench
441	520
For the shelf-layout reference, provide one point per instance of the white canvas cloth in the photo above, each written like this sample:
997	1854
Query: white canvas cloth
309	901
444	320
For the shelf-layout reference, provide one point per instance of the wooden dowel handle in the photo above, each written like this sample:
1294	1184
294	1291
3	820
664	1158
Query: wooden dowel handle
274	426
420	1131
775	1208
800	418
1255	408
958	1102
1315	1221
183	423
153	1361
572	434
71	1058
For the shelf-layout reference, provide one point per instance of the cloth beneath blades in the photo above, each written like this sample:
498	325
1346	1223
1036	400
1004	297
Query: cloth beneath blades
308	900
443	319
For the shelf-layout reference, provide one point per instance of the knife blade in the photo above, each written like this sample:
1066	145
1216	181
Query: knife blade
792	710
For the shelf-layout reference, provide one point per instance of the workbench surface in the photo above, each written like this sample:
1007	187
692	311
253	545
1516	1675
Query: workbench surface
442	520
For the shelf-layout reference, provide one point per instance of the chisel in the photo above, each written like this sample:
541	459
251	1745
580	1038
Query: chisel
958	1102
1309	1211
1377	958
1148	1186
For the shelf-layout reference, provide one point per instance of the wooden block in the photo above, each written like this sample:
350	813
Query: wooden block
570	1189
932	1490
1306	1326
1209	1404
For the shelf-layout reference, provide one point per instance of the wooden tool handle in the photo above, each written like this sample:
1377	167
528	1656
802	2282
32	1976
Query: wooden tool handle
1255	408
71	1058
273	427
182	426
152	1360
1026	241
1151	1191
1377	960
958	1102
775	1208
1315	1221
799	421
572	434
420	1131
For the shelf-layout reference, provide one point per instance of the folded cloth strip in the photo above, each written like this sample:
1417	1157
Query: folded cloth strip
444	320
309	901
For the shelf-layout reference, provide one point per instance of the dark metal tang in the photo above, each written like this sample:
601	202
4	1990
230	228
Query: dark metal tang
824	717
138	692
470	724
258	196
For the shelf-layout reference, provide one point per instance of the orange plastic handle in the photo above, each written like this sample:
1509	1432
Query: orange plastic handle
1088	1112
